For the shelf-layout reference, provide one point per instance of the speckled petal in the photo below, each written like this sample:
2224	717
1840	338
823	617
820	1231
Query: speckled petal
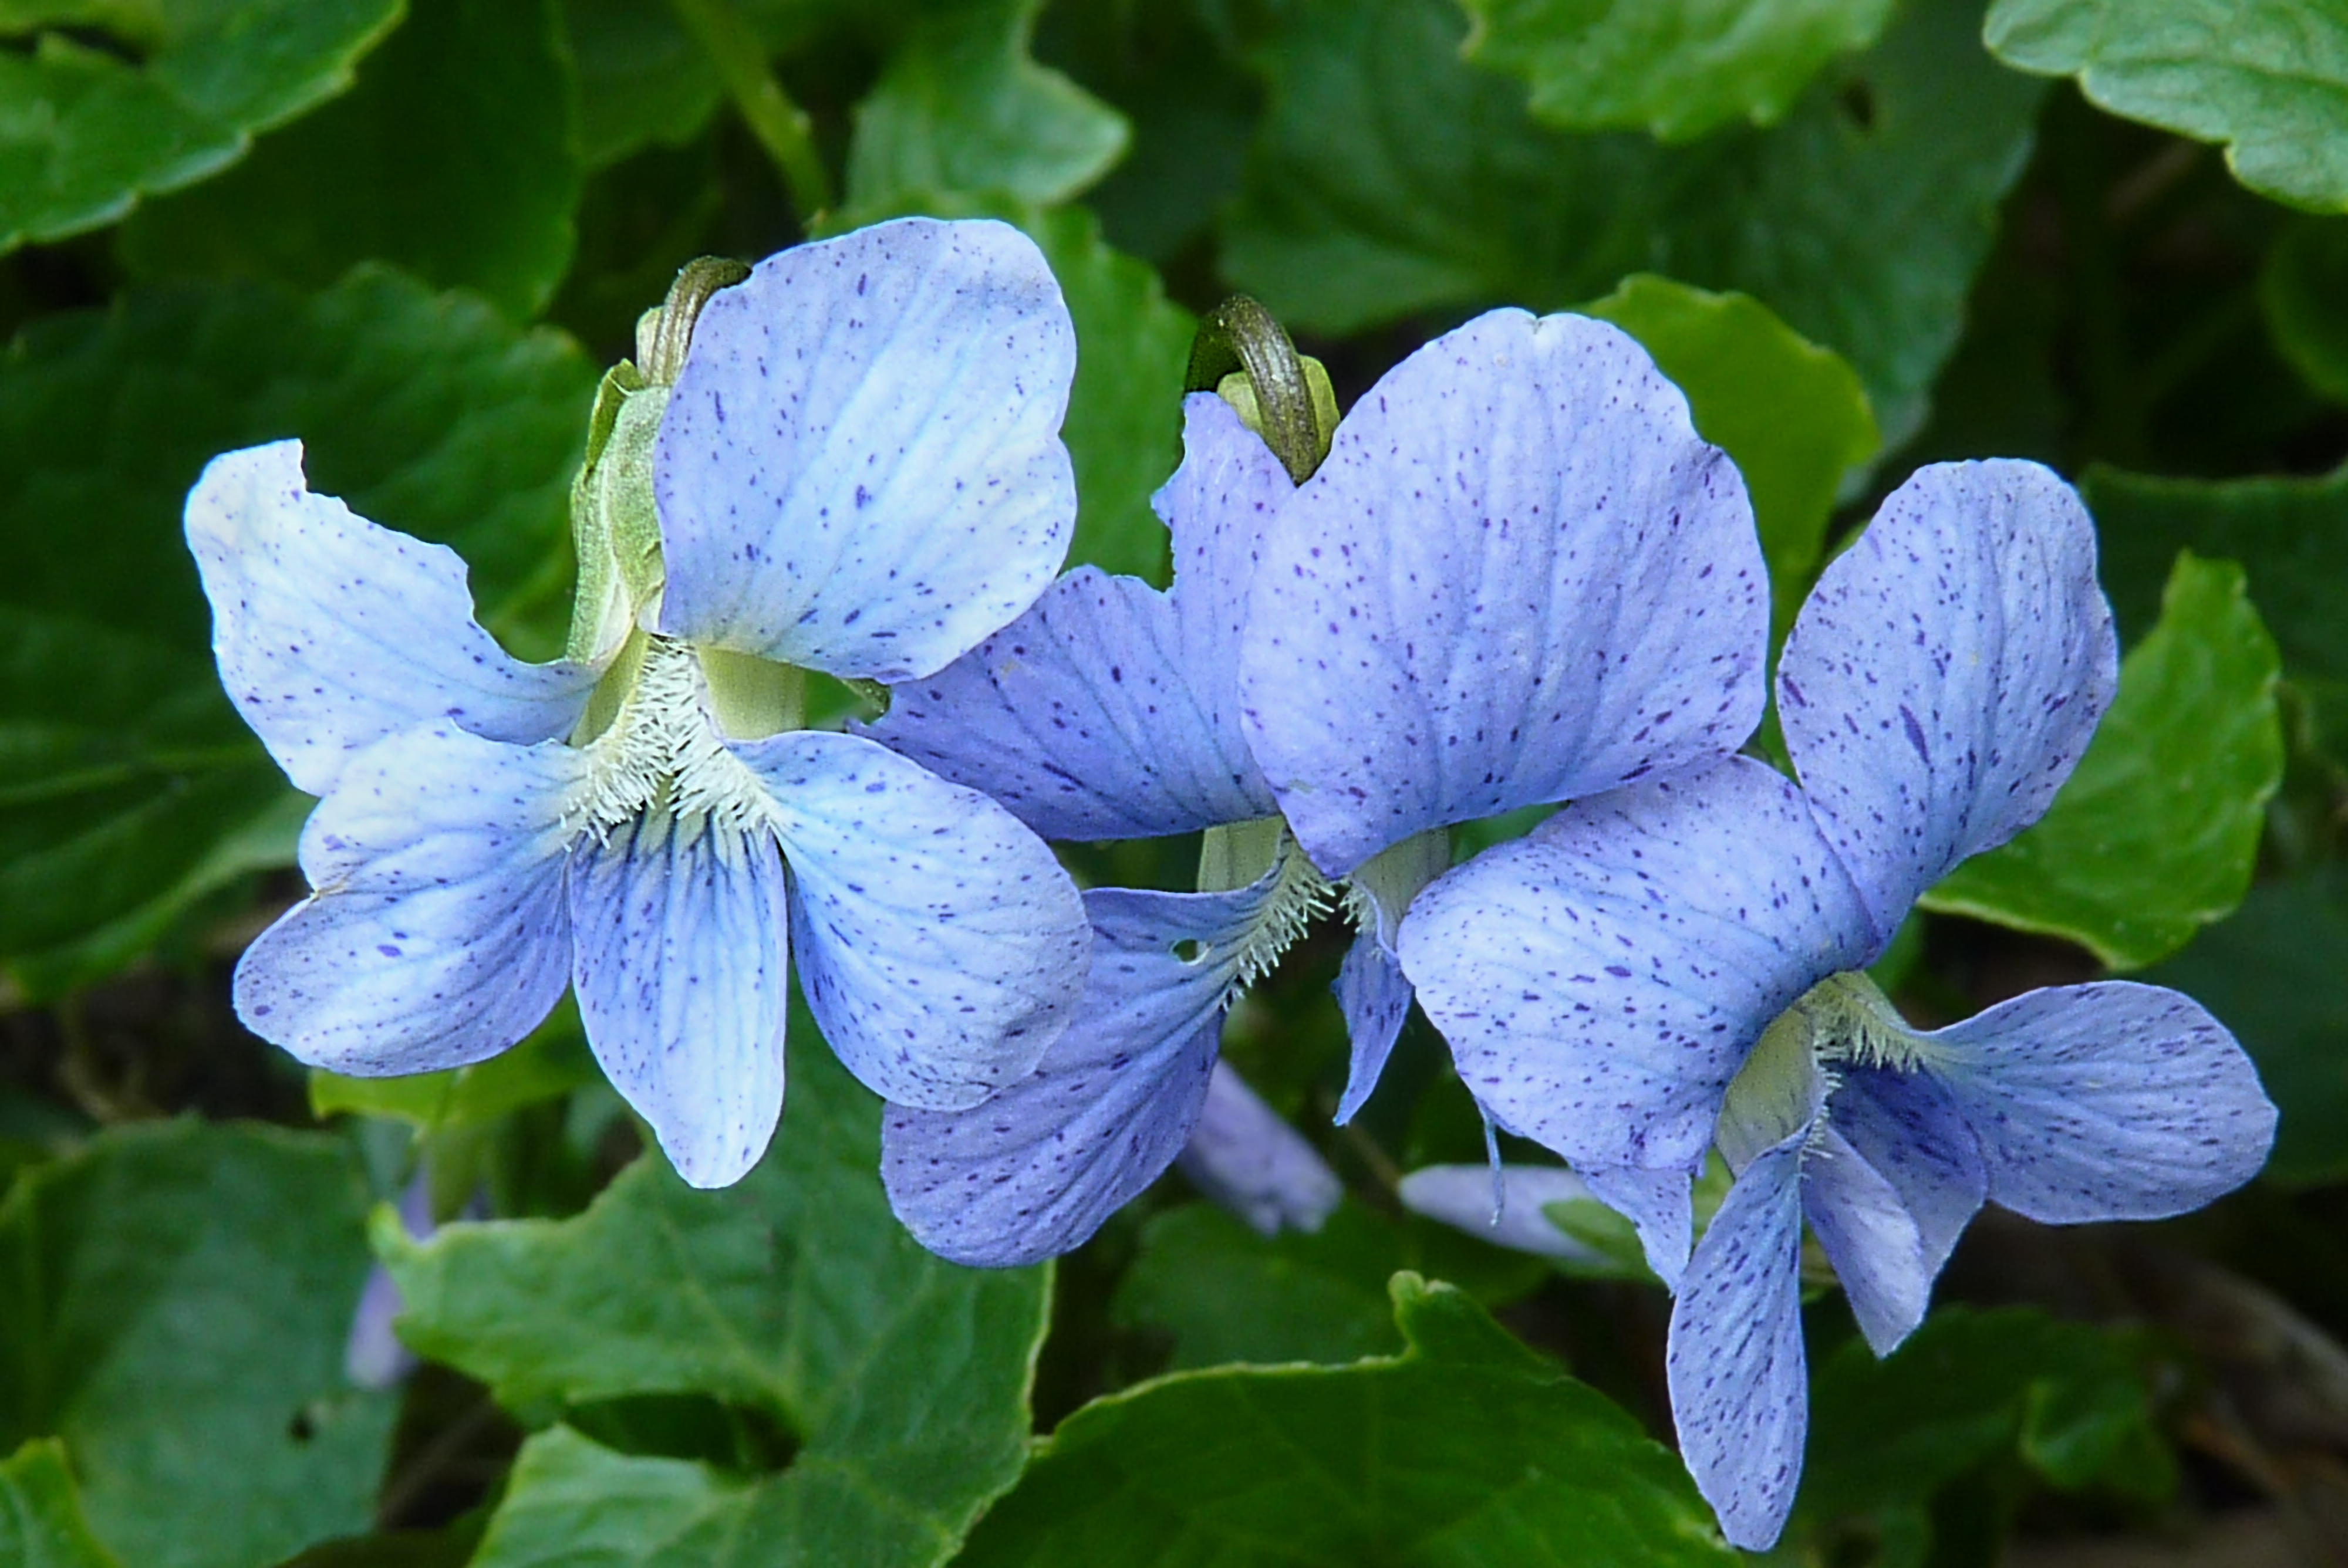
1659	1204
682	969
940	944
1110	710
1034	1170
332	633
1461	1197
1518	577
1601	979
1739	1383
860	470
1906	1130
436	934
1947	673
1375	996
1244	1157
2108	1101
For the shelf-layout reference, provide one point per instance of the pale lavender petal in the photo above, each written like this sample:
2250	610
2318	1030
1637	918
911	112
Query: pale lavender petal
1519	577
1947	673
1601	980
1870	1239
2108	1101
1740	1383
1036	1170
1461	1197
1110	710
1244	1157
1907	1128
1375	996
1372	989
682	969
1659	1205
332	633
860	470
940	945
435	935
372	1356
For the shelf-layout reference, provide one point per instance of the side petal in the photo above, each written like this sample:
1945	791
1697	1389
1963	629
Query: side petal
940	945
860	469
1110	710
2108	1101
1660	1206
435	934
1740	1383
1870	1239
1947	671
1907	1128
1375	996
1601	979
1244	1157
1036	1170
1461	1197
332	633
1518	577
682	971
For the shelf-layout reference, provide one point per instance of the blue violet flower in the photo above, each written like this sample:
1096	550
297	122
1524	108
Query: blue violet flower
1678	964
1518	576
854	467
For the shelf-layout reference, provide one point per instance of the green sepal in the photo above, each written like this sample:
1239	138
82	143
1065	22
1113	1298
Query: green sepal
614	525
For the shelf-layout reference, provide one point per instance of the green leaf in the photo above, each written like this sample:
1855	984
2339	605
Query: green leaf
1792	415
1124	426
169	92
643	81
551	1061
2304	290
41	1521
128	786
795	1293
2277	974
2067	1399
1225	1293
480	192
961	107
2290	535
2269	79
177	1301
1674	67
2156	833
1467	1448
1390	179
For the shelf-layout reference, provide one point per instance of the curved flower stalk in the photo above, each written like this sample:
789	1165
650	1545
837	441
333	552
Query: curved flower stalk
1678	964
856	470
1518	576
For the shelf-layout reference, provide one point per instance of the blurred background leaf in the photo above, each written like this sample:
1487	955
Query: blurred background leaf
2266	77
180	1298
885	1388
108	103
1676	68
466	178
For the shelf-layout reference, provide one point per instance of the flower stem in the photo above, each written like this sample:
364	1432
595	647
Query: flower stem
781	127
